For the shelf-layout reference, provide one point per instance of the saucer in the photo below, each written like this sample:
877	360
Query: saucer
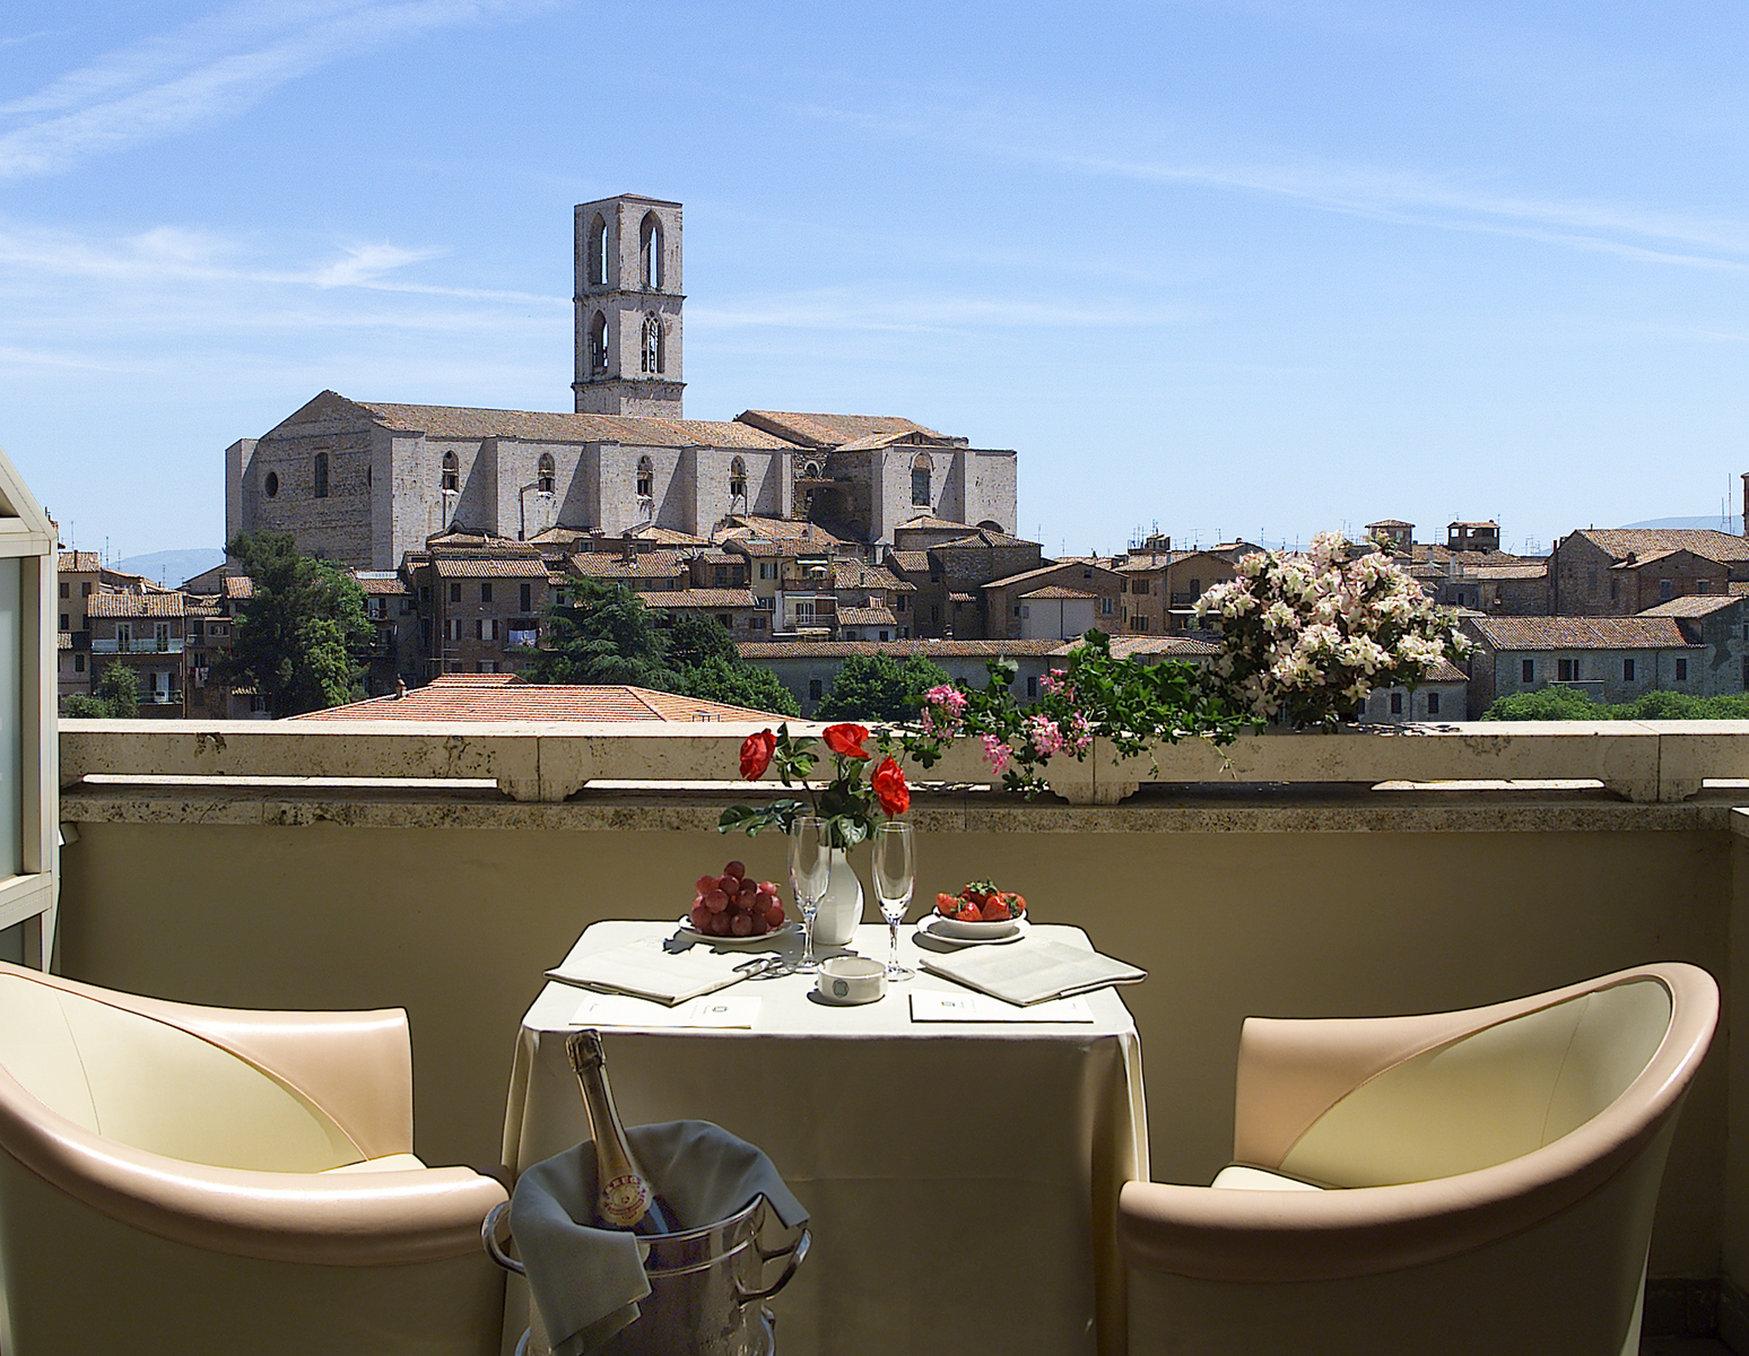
929	935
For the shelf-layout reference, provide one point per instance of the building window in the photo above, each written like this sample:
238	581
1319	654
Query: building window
1703	586
920	469
1032	685
598	343
454	628
527	598
271	484
66	619
598	251
1105	607
810	470
452	473
485	593
1591	581
79	663
1666	590
646	478
321	476
1396	703
85	592
1567	670
1682	670
66	592
546	474
455	593
653	359
650	250
815	691
487	666
1529	670
486	628
1433	703
1627	670
738	484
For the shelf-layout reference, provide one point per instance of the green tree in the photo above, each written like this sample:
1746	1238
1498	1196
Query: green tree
880	687
82	707
119	691
603	634
300	634
738	683
1547	703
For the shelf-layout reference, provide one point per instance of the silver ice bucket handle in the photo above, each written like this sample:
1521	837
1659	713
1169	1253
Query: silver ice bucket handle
796	1252
494	1249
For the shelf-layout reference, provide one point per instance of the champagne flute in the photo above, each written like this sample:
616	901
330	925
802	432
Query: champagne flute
810	865
895	877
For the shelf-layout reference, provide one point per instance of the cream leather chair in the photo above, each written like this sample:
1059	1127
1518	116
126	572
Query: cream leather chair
193	1180
1466	1182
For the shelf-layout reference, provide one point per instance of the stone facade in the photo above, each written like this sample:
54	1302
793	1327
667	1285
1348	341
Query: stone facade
1619	572
365	484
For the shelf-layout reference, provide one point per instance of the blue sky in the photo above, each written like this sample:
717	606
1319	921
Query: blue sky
1235	266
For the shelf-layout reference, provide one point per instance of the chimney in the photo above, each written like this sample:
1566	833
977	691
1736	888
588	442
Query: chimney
400	688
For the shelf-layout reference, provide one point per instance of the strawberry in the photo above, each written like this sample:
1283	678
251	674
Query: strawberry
969	915
995	910
1016	905
947	904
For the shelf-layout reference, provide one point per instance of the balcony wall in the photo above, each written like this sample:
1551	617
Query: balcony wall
1295	880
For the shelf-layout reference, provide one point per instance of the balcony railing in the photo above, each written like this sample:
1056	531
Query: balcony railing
138	645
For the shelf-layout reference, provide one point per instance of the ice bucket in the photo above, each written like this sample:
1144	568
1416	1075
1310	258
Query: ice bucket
707	1287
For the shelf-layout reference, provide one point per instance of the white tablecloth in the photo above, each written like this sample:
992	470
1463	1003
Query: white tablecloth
962	1179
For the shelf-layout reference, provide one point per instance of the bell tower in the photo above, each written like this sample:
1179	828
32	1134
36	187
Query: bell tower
628	300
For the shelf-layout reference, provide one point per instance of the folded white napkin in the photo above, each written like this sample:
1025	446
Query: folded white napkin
1032	971
646	968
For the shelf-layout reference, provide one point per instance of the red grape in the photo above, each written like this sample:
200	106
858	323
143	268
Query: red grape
742	925
716	901
704	883
774	914
768	888
700	916
736	869
760	926
749	893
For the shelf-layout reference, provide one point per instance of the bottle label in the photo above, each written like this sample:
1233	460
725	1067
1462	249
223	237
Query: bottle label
625	1200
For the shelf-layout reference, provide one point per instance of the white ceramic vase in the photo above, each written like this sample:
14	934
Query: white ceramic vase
841	907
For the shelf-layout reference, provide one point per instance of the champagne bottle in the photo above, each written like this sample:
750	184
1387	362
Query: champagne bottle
625	1197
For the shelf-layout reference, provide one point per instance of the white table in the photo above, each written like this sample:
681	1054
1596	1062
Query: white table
962	1178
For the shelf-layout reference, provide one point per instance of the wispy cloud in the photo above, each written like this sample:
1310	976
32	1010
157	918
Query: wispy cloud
846	310
212	69
1630	231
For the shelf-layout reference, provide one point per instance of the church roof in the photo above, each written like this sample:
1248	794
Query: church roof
836	430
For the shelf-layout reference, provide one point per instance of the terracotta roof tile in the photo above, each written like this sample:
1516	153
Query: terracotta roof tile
829	430
1052	592
238	586
490	567
701	598
467	422
866	616
1693	605
136	605
1643	541
644	565
78	562
1037	571
489	697
1150	647
1581	633
379	583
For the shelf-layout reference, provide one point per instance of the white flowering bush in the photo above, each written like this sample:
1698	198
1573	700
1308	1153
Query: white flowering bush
1306	638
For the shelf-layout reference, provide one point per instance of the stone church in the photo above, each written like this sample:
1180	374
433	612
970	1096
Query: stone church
363	482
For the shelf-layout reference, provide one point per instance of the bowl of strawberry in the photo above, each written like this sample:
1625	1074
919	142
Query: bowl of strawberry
979	910
733	907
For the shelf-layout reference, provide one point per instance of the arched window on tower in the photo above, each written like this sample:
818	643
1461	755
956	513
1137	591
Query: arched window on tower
810	470
321	476
598	251
646	479
545	475
650	250
452	476
598	343
737	486
920	469
654	358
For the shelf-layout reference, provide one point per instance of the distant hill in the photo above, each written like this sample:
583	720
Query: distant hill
1732	524
171	567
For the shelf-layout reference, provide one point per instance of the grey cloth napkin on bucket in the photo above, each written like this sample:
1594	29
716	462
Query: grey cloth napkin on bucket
586	1281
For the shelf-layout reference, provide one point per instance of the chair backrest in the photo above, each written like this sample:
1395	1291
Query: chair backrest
1489	1096
156	1087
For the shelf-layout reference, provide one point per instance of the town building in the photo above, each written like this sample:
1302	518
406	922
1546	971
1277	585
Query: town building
78	579
367	483
479	608
1597	572
147	633
1442	696
1161	585
1611	659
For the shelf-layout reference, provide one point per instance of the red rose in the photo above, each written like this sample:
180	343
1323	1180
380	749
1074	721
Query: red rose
846	740
890	788
756	750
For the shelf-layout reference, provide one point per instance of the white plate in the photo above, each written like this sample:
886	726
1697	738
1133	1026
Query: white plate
1021	927
692	934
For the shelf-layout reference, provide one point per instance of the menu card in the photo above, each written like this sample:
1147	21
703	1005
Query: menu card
612	1009
976	1007
646	968
1033	972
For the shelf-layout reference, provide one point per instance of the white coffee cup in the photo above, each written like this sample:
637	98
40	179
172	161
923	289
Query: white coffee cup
851	979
